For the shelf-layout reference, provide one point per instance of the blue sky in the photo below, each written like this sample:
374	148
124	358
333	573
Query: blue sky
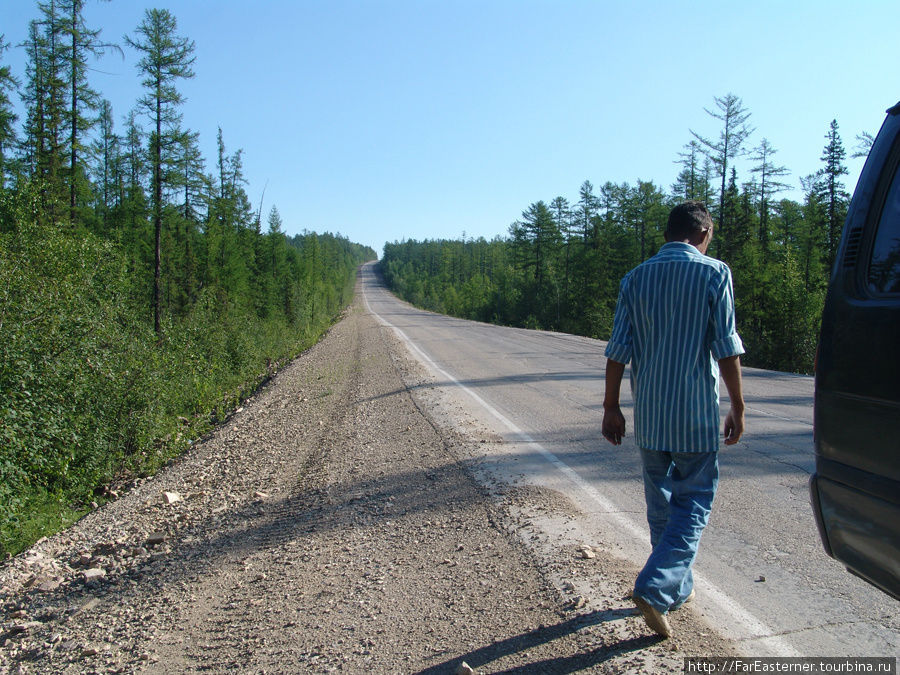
414	119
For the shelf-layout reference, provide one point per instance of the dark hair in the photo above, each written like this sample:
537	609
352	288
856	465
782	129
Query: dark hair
687	219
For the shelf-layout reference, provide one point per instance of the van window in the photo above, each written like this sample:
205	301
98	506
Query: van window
884	266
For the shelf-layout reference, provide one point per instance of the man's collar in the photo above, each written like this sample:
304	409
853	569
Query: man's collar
679	245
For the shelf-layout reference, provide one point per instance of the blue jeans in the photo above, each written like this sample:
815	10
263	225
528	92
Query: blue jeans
679	488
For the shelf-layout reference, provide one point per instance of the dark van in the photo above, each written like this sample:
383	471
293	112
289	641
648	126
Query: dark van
855	490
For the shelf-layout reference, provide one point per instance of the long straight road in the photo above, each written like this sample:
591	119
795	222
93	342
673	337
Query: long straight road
763	579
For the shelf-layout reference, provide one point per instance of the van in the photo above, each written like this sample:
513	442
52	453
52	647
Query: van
855	489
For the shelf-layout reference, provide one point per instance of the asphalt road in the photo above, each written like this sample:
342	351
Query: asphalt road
762	577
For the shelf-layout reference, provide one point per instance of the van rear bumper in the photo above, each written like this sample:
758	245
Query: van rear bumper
846	519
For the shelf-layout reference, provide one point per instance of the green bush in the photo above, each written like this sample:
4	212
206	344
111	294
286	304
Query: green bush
89	392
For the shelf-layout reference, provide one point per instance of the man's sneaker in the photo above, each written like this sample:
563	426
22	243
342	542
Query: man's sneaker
655	619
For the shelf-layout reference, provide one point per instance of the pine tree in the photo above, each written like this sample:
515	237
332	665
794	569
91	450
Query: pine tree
542	232
607	264
689	183
82	43
587	208
185	181
132	213
864	143
730	143
275	262
536	239
45	100
133	141
769	185
727	235
647	212
106	151
562	214
166	58
812	237
231	229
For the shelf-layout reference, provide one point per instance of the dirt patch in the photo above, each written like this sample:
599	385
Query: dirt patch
542	499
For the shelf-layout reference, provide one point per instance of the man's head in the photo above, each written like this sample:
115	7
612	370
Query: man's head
690	222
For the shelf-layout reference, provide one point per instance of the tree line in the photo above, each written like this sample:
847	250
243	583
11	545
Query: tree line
141	296
560	265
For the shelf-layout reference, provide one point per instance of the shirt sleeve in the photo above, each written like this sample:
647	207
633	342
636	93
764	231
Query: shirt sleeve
620	342
725	340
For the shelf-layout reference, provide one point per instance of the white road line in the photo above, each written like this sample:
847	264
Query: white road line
759	631
777	417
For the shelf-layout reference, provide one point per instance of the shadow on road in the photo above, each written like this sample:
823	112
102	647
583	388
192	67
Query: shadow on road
517	644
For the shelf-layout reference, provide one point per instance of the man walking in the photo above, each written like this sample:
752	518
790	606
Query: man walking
675	323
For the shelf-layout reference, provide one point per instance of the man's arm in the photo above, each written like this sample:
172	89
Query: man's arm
613	420
730	367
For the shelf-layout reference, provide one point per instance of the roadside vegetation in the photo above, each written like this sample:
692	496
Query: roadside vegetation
560	265
141	297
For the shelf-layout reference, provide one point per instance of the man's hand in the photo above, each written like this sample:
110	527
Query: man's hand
734	421
613	425
734	426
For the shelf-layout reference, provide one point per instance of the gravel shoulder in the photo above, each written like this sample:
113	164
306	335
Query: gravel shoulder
335	523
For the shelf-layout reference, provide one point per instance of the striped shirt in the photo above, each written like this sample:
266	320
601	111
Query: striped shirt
674	320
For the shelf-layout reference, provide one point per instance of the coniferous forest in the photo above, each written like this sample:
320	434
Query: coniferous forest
141	295
560	266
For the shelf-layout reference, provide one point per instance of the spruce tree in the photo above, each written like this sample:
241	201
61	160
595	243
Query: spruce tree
835	196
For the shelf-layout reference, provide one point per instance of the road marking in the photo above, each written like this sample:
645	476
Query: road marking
759	411
759	631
